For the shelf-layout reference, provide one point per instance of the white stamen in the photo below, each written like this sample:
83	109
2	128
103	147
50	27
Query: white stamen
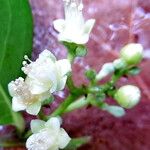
73	5
27	58
80	7
24	63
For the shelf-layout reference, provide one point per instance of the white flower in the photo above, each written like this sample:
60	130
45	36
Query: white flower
128	96
73	29
23	99
44	76
107	69
47	135
47	74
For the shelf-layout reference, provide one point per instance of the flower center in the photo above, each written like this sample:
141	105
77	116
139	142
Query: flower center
23	92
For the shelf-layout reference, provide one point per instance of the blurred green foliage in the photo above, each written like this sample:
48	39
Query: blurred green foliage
16	34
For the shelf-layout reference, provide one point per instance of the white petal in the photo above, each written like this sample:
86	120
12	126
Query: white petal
35	86
89	25
44	96
17	105
59	25
38	141
54	83
82	39
61	83
47	54
63	66
38	88
63	37
53	123
34	109
11	90
37	125
64	138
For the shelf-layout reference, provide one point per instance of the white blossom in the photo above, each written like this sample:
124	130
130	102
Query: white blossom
23	99
47	74
47	135
44	76
73	29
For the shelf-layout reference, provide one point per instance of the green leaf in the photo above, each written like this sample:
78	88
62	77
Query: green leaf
16	30
75	143
7	116
15	38
81	51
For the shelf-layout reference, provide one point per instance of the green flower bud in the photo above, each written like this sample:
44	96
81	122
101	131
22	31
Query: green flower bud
128	96
119	63
107	69
132	53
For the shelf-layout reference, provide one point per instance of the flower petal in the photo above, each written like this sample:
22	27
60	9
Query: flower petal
61	84
82	39
89	25
53	123
11	90
37	125
59	25
47	54
64	139
44	96
35	86
34	109
17	105
63	66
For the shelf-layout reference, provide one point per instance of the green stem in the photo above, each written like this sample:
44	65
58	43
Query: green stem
70	84
11	144
41	115
77	104
27	134
70	57
75	93
60	110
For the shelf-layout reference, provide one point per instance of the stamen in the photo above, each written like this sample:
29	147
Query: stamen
80	7
27	58
24	63
73	5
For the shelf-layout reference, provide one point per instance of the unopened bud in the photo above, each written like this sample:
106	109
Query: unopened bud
119	63
107	69
132	53
128	96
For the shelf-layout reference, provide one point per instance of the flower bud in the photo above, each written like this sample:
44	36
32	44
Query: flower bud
107	69
132	53
119	64
128	96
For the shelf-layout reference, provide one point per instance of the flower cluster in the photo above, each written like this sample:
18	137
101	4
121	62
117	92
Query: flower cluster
44	76
126	96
